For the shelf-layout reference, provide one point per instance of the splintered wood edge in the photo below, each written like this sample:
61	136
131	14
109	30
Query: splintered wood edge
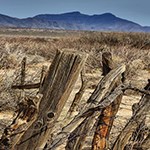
82	59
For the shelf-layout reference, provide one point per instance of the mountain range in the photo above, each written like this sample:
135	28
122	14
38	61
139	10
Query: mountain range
74	21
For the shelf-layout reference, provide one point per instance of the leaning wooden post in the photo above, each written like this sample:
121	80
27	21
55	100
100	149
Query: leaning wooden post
104	87
107	114
56	89
134	122
83	128
73	131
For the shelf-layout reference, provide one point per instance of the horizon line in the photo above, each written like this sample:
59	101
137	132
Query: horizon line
72	12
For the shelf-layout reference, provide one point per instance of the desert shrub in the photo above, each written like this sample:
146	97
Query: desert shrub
126	47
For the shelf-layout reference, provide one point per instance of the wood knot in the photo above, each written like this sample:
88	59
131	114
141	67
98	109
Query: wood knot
50	115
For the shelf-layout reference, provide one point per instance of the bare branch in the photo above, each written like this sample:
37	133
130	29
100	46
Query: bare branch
143	91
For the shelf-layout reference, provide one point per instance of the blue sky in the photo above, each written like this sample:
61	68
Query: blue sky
134	10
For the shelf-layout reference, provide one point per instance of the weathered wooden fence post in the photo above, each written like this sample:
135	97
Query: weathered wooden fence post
133	123
108	114
57	86
105	86
73	133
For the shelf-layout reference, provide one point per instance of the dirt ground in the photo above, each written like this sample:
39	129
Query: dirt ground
40	52
125	111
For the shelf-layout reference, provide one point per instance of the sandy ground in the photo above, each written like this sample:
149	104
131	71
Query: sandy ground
123	115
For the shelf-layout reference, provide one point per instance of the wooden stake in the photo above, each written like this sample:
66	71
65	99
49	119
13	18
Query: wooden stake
107	115
56	89
23	69
100	92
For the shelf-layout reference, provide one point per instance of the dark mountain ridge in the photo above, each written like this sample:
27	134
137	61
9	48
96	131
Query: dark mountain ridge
74	21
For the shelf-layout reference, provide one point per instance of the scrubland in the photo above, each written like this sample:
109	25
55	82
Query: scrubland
130	48
39	48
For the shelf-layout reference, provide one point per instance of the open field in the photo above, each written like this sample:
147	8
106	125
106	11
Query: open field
39	47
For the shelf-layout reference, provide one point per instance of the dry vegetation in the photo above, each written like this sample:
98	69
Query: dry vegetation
126	47
131	48
40	47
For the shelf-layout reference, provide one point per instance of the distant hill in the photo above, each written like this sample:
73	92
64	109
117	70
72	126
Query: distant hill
74	21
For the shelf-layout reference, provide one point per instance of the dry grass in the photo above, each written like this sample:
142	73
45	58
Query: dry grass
126	47
130	48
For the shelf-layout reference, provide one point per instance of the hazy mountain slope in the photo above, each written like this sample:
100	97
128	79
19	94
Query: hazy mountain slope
74	21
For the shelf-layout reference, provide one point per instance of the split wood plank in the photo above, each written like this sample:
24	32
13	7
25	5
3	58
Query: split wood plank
98	97
26	86
79	94
56	89
106	114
